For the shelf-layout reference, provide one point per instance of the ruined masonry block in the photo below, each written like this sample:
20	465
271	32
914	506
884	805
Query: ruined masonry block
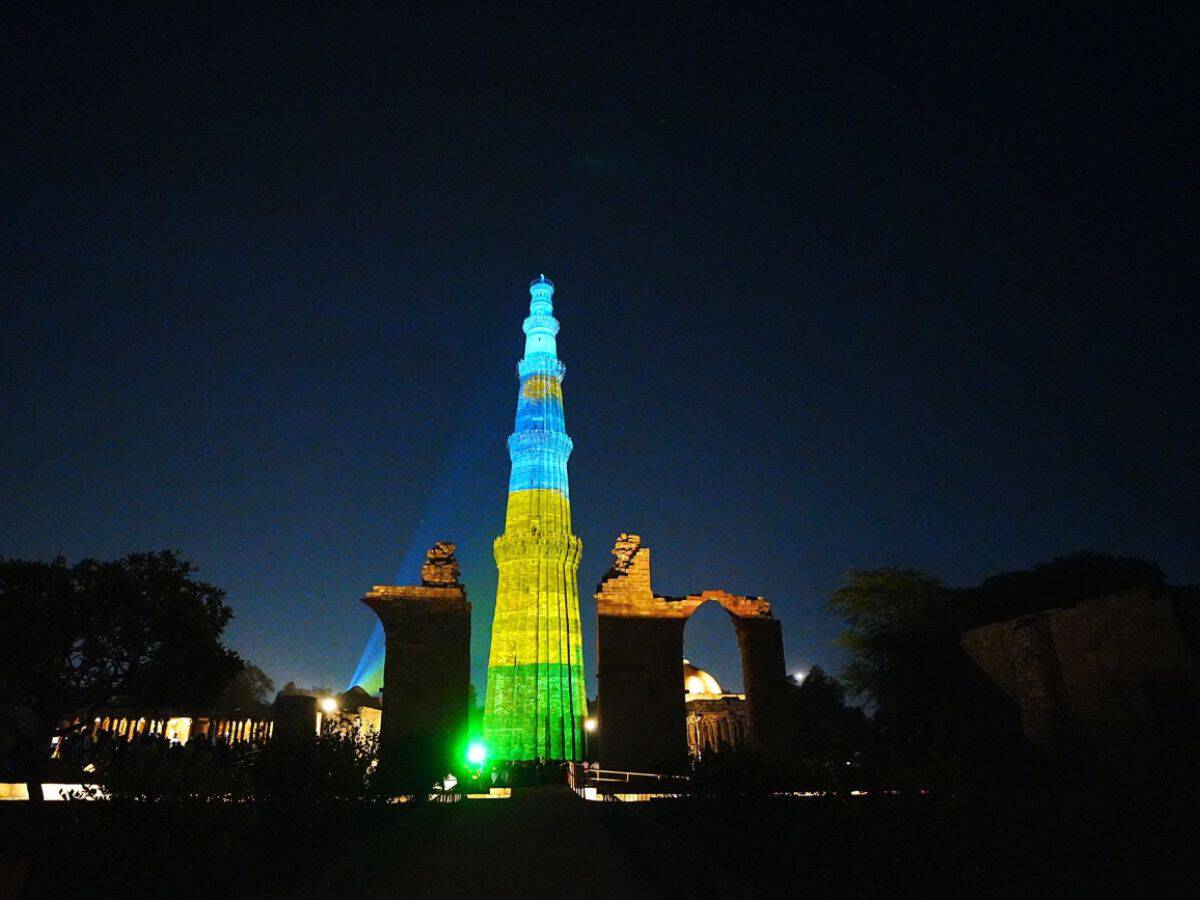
427	667
639	649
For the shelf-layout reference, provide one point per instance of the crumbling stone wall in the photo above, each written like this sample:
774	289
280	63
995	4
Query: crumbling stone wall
440	568
639	649
1111	678
427	669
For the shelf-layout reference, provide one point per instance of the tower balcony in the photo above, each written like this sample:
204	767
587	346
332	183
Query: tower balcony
541	364
536	545
523	443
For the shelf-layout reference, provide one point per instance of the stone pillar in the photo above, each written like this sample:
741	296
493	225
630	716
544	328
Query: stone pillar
642	715
295	717
426	675
764	676
639	653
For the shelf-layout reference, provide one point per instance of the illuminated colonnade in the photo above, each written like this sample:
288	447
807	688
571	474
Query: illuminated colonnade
127	725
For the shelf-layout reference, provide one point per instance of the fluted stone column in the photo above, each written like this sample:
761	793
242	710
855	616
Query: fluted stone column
536	700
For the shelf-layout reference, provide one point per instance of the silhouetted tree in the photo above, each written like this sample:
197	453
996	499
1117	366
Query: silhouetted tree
824	727
903	631
138	628
249	689
40	627
817	694
1060	582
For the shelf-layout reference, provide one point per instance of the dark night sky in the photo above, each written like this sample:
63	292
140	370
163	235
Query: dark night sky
845	290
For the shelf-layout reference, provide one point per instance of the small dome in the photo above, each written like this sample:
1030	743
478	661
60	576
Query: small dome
698	682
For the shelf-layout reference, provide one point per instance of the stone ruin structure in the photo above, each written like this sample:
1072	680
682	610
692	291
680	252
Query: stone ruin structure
1114	680
427	668
440	568
639	648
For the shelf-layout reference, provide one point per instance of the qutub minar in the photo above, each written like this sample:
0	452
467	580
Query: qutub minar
536	702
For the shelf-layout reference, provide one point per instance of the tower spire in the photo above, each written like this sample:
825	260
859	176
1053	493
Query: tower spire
536	702
541	328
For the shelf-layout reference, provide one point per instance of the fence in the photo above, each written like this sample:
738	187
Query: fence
594	783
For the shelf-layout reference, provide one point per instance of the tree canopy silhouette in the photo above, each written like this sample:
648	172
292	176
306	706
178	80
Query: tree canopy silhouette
821	722
817	693
1062	581
902	636
931	700
249	689
138	628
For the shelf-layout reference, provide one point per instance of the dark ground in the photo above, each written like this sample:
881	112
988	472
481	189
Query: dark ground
545	842
1098	844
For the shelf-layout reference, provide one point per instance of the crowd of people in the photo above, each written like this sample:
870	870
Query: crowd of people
79	749
510	773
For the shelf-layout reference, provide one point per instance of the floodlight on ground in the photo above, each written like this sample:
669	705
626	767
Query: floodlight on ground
589	724
329	705
476	754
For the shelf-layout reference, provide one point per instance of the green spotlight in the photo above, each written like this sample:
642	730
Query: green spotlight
476	754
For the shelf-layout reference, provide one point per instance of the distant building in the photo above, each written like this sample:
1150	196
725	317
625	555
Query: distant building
174	724
127	722
716	720
300	712
1115	680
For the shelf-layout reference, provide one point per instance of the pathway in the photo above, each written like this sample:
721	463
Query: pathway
542	842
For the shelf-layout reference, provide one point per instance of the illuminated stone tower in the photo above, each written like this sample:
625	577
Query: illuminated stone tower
535	692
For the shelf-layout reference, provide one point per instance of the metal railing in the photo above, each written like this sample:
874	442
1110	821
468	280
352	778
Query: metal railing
609	781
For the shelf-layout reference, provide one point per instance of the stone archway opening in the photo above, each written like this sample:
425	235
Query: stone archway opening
639	650
716	719
710	642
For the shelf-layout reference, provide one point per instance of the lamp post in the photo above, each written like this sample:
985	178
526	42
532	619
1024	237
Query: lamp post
589	727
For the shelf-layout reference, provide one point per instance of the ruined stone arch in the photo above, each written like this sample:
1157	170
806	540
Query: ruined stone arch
639	650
